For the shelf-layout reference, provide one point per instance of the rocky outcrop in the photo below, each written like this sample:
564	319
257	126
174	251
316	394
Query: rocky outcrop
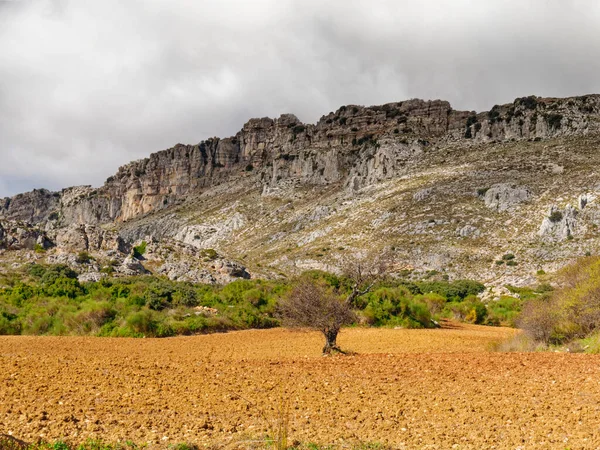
36	206
288	195
355	145
223	271
535	118
502	197
89	238
16	235
131	266
559	224
210	235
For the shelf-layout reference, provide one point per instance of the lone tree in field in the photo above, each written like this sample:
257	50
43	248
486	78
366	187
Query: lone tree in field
313	304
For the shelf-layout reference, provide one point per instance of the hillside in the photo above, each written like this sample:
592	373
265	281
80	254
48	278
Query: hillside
500	196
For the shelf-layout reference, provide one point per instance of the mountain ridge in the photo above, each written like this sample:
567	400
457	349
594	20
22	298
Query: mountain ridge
226	189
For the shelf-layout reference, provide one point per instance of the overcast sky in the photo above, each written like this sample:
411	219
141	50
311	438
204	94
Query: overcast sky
88	85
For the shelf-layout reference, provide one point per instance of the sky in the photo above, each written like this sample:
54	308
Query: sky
89	85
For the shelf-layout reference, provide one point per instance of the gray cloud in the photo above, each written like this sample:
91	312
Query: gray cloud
86	86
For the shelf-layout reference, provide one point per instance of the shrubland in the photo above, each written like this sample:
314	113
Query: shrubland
569	316
49	300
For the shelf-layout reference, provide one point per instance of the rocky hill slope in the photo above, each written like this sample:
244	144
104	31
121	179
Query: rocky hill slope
500	196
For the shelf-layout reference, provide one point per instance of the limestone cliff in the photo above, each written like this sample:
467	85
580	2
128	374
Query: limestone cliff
258	192
355	145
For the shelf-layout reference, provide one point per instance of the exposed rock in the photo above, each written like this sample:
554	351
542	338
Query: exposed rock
468	231
91	277
319	213
72	238
585	199
358	145
399	175
422	194
502	197
209	236
36	206
184	271
89	238
223	271
131	266
230	269
559	224
16	235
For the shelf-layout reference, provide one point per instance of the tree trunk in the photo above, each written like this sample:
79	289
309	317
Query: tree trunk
330	341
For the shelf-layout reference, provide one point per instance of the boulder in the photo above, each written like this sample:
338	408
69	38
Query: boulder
468	231
91	277
504	197
131	266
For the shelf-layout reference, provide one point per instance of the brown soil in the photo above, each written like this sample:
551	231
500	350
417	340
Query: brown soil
408	388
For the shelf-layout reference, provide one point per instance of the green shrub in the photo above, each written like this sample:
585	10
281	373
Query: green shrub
52	273
64	287
144	322
92	317
297	129
159	295
469	310
504	311
494	114
209	254
554	121
569	313
435	303
184	296
527	102
139	250
83	258
395	307
555	216
453	291
9	325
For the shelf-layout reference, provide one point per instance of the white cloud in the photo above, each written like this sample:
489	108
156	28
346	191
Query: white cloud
86	86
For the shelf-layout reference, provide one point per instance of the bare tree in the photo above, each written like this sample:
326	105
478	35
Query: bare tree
313	305
363	273
310	304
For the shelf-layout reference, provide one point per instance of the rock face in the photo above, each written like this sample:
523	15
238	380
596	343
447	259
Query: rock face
357	145
17	235
36	206
502	197
293	195
89	238
559	224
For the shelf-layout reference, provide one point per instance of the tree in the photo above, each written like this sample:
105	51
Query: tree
312	304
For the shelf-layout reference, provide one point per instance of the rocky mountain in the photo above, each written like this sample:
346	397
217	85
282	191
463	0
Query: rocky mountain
500	196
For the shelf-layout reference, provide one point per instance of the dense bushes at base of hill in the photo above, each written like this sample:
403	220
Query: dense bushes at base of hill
570	316
49	300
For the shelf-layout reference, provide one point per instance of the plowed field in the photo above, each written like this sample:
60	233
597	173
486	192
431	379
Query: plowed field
407	388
